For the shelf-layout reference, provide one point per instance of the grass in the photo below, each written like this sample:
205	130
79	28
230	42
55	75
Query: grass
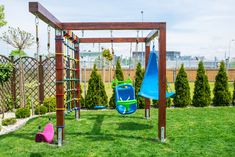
190	132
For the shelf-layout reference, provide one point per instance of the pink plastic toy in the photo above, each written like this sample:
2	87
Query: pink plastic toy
47	134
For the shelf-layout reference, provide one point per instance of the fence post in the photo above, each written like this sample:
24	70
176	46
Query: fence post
13	82
41	81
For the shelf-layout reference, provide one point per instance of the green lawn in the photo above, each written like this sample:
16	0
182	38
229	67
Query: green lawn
190	132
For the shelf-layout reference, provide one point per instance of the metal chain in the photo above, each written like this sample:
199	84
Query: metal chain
82	33
130	58
111	35
37	57
37	38
48	40
137	41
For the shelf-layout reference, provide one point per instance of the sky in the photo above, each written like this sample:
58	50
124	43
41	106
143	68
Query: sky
194	27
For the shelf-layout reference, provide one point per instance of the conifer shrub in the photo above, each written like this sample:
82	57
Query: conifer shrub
96	94
222	95
139	76
182	90
202	93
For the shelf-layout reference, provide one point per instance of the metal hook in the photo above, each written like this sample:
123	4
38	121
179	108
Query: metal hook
36	20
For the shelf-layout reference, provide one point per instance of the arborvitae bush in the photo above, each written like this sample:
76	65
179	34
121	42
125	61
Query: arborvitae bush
118	75
182	90
82	99
233	93
96	94
22	113
50	103
168	100
202	93
139	76
118	71
168	103
222	95
40	110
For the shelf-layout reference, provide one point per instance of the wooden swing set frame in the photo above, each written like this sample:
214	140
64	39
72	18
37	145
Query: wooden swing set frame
157	29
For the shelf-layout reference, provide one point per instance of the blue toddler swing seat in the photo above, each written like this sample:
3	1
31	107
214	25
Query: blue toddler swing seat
125	99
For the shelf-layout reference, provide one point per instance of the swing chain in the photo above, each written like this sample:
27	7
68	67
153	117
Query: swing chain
130	58
48	40
82	33
37	38
111	35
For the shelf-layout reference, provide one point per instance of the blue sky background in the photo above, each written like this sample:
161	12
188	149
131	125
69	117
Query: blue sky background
194	27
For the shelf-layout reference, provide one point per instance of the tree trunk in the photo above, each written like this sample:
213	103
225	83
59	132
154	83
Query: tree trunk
103	69
21	83
2	105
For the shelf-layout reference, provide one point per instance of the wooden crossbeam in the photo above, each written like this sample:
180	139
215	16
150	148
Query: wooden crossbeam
109	40
42	13
112	25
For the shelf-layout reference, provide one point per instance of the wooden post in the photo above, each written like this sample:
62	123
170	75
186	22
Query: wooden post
162	85
41	81
77	83
13	82
147	101
59	86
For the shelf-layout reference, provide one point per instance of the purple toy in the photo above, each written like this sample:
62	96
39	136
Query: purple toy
47	134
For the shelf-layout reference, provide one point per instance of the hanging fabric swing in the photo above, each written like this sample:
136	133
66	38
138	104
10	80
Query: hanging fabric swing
150	86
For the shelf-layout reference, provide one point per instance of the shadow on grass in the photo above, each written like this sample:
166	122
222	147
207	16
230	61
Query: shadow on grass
35	155
133	126
90	116
110	137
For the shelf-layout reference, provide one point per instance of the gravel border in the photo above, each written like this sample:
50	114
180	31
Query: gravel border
19	123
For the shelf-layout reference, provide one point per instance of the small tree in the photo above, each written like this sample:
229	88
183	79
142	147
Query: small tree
222	95
96	94
3	22
5	74
17	53
107	54
20	40
139	75
233	93
182	89
118	75
118	71
202	93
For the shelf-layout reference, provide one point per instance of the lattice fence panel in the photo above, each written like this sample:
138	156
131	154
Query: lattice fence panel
5	89
30	74
49	77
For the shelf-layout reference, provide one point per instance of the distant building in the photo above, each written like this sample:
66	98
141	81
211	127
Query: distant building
139	56
172	55
89	58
